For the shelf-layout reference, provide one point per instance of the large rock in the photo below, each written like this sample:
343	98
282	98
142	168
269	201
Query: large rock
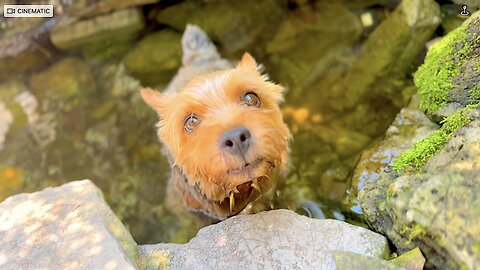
68	227
387	56
448	80
434	208
410	126
278	239
236	25
155	59
125	23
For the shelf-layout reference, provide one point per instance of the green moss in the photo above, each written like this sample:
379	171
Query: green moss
434	77
476	248
475	93
423	150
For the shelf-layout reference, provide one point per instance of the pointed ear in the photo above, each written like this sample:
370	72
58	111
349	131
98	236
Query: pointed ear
158	101
248	62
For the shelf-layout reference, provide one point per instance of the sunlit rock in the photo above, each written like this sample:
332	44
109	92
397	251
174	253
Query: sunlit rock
119	26
67	227
269	240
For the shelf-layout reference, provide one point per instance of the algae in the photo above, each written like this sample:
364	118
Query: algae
423	150
434	77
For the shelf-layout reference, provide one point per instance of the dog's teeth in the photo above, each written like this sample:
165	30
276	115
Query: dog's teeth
255	186
232	200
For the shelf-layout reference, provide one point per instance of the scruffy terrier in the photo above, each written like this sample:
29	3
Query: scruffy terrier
224	136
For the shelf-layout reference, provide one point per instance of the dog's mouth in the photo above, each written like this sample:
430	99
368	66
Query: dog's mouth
239	198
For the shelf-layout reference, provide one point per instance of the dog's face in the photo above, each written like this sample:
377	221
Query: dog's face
225	131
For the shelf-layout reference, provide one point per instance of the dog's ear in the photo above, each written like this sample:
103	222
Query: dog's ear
158	101
248	62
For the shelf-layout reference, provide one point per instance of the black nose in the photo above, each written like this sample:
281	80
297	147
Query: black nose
236	141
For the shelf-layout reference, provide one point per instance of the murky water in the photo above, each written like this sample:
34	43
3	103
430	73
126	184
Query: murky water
80	116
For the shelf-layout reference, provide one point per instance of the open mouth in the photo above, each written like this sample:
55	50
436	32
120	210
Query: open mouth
237	201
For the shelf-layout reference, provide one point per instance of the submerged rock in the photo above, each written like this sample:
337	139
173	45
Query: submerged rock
269	240
155	59
67	227
388	55
236	25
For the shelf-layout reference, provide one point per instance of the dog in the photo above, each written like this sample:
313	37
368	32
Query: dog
224	136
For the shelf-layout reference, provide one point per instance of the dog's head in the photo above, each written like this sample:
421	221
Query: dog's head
224	130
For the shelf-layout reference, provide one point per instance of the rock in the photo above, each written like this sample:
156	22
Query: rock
23	45
68	78
434	208
199	56
81	8
349	260
237	26
120	26
306	45
387	56
155	59
410	126
411	260
67	227
448	80
268	240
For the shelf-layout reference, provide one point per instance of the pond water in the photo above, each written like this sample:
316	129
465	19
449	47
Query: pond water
77	114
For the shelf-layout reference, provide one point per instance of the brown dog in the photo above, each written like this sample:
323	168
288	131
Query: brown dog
225	137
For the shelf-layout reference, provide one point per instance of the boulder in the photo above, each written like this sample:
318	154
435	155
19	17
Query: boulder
278	239
434	208
448	80
120	26
67	227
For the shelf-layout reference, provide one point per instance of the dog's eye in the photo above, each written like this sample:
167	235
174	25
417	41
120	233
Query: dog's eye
191	122
251	99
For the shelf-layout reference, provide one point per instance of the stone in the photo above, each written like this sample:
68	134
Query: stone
122	25
448	80
410	126
349	260
411	260
66	227
278	239
64	80
155	59
237	26
388	55
434	208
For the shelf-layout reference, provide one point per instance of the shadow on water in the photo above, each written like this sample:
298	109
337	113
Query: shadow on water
74	112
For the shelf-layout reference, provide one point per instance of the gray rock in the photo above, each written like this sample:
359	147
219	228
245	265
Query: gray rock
349	261
279	239
73	34
435	208
67	227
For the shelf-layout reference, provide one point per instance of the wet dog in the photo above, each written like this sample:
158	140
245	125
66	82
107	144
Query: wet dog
224	136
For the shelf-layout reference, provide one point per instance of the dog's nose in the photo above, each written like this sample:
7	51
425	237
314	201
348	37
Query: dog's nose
236	141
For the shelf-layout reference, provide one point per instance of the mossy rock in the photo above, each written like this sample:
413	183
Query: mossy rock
156	58
449	80
435	206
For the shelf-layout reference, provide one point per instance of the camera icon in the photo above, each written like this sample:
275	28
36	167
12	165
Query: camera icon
10	11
